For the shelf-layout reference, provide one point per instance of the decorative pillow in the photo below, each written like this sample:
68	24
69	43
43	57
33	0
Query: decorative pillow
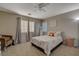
51	34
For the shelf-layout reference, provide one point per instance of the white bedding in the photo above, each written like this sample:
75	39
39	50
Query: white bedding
46	42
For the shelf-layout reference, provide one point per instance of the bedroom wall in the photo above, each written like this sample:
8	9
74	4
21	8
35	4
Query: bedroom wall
7	23
66	24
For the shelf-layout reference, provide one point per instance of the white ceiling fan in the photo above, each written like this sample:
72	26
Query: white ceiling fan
41	6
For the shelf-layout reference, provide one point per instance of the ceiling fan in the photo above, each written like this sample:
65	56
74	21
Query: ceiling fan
41	6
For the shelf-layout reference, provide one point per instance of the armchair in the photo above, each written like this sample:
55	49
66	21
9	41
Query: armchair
6	40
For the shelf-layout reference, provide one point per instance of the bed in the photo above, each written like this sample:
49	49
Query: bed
47	43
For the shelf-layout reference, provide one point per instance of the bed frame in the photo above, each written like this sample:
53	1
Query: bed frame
43	49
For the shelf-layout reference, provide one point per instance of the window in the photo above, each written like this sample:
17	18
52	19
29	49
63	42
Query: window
31	26
44	26
24	26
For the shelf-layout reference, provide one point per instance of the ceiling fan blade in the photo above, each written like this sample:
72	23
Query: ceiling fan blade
41	5
41	9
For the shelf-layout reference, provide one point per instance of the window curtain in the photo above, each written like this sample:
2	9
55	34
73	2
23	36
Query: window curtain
18	31
36	31
37	28
26	34
43	28
24	30
30	31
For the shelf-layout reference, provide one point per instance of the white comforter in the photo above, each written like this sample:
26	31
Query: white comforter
46	42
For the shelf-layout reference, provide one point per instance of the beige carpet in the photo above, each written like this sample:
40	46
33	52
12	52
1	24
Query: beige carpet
0	53
27	49
0	49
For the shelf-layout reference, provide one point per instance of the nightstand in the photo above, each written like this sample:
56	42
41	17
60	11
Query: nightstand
69	42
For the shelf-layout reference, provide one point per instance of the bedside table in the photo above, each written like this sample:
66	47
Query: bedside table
69	41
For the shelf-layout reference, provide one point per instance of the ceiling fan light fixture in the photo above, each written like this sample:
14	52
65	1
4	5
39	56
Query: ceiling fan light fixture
29	13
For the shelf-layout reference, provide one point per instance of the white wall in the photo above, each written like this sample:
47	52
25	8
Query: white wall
67	26
8	23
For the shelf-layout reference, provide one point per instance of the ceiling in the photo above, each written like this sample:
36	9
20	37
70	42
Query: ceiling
31	9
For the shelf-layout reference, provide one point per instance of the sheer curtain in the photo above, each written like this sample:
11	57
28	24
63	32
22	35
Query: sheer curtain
24	31
31	29
27	30
37	28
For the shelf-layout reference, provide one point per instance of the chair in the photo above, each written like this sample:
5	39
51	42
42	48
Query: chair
5	40
8	39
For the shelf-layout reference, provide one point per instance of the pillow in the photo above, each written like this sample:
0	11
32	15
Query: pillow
51	34
58	34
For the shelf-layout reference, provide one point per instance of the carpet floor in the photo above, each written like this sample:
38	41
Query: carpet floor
26	49
0	53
